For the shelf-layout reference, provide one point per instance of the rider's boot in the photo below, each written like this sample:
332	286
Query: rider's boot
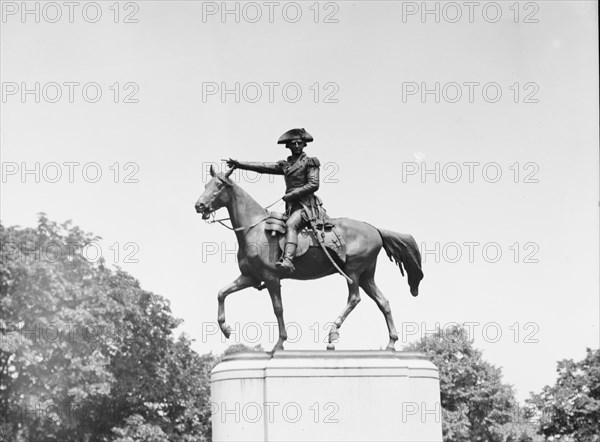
285	264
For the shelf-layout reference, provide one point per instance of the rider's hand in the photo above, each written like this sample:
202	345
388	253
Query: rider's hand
288	197
232	164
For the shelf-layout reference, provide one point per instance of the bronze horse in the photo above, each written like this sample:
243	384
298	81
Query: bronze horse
259	251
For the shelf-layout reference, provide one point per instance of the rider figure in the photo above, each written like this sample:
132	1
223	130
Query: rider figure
301	174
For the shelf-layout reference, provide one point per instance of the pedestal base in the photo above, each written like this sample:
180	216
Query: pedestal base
326	396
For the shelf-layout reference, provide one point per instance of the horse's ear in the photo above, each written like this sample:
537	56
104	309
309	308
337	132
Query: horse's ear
229	172
212	171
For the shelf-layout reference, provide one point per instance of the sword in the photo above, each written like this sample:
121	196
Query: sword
316	233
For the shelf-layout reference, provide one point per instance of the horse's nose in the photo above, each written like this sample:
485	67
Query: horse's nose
199	207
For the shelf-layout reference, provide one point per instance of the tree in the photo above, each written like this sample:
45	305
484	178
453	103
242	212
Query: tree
85	350
476	405
570	410
137	430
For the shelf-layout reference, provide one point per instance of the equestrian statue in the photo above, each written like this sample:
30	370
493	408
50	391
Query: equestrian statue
304	242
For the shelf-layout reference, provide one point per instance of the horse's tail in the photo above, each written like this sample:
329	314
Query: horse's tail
404	250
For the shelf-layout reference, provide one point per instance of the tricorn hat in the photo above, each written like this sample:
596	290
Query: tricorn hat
295	134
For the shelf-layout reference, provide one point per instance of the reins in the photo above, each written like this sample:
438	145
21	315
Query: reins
236	229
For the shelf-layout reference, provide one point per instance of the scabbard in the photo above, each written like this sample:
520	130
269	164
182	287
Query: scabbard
316	233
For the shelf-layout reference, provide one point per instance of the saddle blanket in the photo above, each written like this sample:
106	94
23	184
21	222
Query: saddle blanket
331	236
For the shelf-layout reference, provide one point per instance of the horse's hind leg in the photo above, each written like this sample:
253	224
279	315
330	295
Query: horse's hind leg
353	300
240	283
367	282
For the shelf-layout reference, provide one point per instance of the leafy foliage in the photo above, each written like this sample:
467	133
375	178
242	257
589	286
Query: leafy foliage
85	350
476	405
137	430
570	410
87	355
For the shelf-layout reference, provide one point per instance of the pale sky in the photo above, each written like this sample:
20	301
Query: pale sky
373	137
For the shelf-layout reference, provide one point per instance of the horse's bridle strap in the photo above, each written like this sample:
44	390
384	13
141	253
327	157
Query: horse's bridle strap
237	229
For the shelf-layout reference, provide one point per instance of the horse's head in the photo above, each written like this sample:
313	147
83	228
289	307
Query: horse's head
216	193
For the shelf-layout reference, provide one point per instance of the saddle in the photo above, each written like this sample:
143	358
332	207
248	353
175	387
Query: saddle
331	237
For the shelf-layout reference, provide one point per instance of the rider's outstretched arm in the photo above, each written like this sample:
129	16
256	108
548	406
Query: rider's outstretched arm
272	168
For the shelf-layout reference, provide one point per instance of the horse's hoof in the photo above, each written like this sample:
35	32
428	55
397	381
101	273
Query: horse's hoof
391	347
277	347
331	347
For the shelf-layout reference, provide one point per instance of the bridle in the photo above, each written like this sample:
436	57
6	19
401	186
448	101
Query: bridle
237	229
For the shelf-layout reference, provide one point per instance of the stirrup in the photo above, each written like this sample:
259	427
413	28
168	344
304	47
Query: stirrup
285	265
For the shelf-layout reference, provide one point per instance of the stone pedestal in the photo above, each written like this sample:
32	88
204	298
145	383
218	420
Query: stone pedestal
326	396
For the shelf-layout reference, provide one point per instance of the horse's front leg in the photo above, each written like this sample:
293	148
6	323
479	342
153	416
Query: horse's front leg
274	287
240	283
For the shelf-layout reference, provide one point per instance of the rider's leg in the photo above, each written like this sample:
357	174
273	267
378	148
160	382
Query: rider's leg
293	223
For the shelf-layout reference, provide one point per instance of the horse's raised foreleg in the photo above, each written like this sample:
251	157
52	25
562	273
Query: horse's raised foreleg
275	292
240	283
353	300
367	282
